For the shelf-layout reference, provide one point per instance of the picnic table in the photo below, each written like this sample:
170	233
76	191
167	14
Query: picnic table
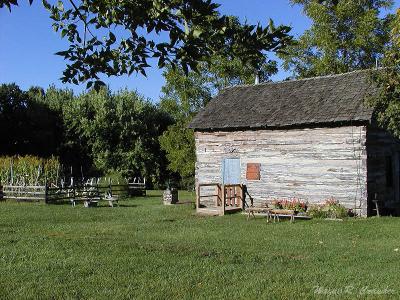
111	199
93	201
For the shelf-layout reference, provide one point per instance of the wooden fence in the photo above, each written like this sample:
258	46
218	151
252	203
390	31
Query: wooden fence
53	194
23	193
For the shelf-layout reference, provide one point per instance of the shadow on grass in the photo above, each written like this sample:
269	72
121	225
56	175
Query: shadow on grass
187	202
127	205
168	220
59	203
148	196
103	205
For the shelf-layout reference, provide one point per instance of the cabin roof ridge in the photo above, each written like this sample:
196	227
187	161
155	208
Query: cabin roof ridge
291	80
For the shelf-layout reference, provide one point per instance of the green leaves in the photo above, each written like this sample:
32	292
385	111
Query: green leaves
185	95
195	32
387	101
178	142
9	3
345	35
46	4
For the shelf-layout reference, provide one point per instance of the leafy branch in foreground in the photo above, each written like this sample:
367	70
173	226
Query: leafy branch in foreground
117	37
9	3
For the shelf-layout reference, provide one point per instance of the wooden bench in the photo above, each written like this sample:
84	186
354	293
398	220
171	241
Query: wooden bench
275	214
251	211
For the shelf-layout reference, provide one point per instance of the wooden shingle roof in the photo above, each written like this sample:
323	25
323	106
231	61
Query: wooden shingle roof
328	100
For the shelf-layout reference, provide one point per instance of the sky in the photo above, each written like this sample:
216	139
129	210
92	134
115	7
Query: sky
28	44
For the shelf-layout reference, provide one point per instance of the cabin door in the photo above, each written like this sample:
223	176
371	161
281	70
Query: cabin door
231	171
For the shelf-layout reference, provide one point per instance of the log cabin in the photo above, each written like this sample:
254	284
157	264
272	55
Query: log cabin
311	139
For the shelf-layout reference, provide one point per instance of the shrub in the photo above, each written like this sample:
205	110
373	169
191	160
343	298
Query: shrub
317	211
330	209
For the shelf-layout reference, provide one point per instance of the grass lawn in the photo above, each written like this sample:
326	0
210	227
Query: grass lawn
146	250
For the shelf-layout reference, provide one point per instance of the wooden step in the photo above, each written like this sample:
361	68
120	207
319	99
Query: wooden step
209	211
216	211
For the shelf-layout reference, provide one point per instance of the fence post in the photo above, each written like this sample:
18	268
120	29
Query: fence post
242	196
73	188
198	196
46	191
217	194
223	199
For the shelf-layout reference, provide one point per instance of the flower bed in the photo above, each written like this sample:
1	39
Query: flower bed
290	204
330	208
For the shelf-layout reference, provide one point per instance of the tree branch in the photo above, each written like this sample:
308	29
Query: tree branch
83	19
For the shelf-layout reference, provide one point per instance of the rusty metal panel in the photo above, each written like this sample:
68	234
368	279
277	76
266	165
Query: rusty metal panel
253	171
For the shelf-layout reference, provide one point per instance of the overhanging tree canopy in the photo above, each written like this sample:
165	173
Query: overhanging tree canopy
116	37
345	35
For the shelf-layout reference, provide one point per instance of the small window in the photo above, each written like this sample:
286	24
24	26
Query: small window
389	171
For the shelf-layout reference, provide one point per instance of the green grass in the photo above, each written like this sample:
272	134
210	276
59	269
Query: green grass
146	250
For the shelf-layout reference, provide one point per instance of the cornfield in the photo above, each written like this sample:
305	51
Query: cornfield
28	170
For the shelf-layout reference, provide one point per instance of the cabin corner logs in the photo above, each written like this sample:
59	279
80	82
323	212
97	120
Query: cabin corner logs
313	164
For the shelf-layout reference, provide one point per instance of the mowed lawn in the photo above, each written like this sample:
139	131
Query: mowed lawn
146	250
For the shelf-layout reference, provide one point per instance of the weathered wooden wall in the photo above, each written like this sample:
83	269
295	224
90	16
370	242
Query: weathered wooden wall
312	164
380	145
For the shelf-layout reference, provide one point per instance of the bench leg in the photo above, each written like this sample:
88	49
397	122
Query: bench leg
251	213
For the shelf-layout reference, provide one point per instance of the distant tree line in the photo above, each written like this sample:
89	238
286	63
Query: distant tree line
94	133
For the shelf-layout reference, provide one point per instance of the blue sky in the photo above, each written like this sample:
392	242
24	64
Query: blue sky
28	44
